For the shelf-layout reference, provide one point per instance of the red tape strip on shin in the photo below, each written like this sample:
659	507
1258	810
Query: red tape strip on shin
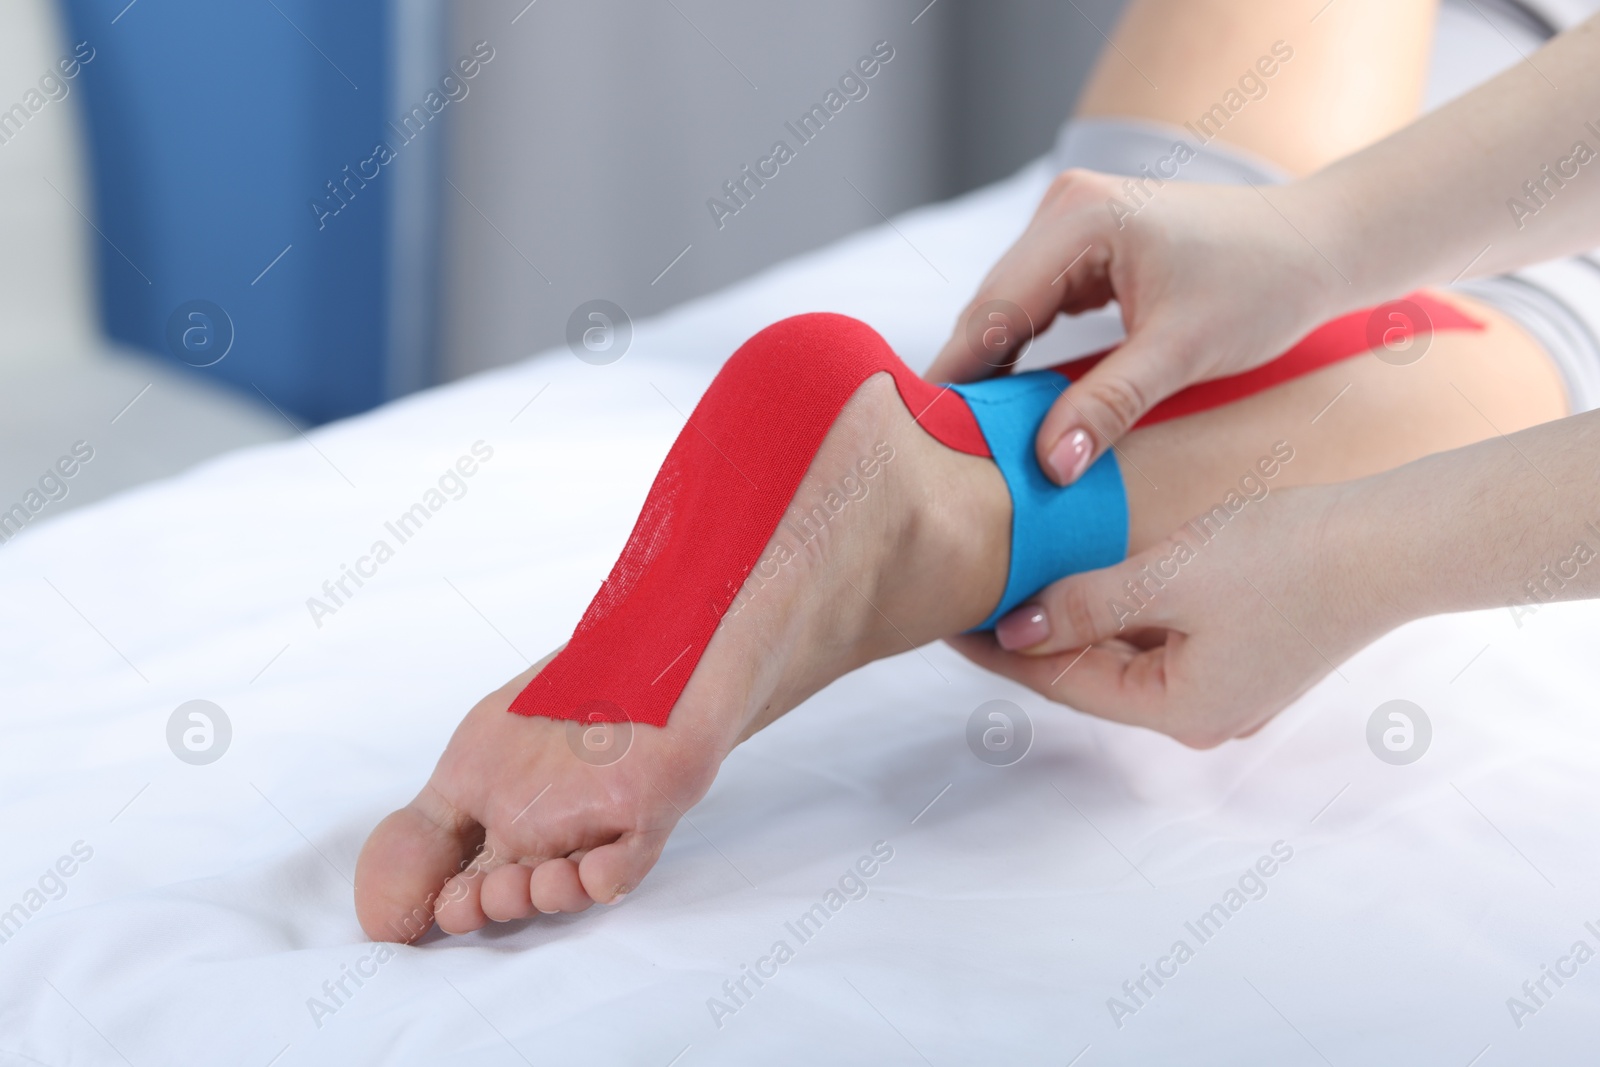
734	469
721	493
1344	337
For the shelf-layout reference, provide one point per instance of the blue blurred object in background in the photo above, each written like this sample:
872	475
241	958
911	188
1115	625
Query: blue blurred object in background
214	130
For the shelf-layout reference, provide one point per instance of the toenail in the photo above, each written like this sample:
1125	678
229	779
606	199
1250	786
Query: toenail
617	899
1070	457
1023	628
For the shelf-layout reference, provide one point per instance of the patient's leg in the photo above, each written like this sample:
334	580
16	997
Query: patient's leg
1344	421
1353	75
514	819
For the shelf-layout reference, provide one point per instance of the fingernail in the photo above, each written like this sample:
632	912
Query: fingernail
1070	458
1023	628
617	899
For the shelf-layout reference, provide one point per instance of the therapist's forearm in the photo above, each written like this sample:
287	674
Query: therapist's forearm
1436	200
1508	521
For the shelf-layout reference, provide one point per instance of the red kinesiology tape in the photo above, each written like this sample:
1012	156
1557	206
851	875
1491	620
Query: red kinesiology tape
734	470
1349	335
715	504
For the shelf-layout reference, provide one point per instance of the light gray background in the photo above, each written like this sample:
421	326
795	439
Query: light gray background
590	144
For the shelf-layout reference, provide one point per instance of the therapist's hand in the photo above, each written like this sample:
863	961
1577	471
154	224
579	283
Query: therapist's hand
1253	619
1212	281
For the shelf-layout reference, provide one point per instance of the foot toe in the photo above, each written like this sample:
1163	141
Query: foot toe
611	871
556	887
459	907
506	893
403	864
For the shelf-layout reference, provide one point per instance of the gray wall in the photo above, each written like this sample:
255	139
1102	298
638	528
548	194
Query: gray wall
581	164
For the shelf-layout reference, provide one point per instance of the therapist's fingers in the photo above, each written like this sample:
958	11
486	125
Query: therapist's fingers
1060	263
1203	638
1104	404
1085	641
1084	609
1210	280
1115	680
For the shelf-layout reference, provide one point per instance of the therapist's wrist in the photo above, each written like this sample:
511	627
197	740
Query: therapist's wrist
1317	265
1375	570
1341	219
1300	237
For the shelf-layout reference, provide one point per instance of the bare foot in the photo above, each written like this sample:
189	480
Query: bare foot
519	816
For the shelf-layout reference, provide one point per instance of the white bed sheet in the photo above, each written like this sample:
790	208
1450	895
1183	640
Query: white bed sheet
217	900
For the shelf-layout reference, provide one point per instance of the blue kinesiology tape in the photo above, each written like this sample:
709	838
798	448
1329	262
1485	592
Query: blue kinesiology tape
1055	531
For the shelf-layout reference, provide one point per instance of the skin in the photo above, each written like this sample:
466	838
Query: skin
1214	280
1174	59
1212	658
512	822
470	848
923	556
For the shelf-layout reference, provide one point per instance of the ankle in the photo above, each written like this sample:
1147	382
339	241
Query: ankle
951	557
